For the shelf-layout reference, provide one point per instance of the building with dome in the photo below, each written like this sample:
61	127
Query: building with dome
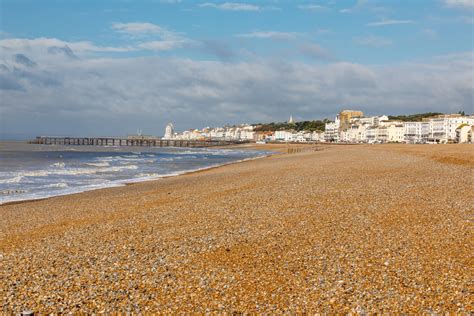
169	131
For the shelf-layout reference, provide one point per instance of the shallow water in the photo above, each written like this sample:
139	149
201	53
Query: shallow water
39	171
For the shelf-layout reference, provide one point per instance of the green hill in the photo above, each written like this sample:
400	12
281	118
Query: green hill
412	117
310	126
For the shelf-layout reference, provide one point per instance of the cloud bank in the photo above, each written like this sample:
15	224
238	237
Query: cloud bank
44	89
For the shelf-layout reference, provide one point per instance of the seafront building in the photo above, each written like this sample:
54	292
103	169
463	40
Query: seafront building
443	127
416	132
331	131
395	132
349	126
346	118
352	127
244	132
297	136
465	134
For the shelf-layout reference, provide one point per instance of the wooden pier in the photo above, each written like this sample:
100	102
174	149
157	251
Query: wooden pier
128	141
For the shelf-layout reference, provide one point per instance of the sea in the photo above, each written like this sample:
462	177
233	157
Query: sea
29	171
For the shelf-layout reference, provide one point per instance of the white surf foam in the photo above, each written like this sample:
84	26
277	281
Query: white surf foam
103	165
60	185
15	179
98	164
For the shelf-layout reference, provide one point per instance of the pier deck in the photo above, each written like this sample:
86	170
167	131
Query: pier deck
128	141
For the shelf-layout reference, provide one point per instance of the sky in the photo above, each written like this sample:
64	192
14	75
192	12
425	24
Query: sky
92	67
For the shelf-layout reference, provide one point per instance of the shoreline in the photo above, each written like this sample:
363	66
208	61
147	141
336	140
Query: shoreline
124	183
275	148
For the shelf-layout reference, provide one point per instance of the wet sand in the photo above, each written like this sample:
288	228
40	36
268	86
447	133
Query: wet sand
349	228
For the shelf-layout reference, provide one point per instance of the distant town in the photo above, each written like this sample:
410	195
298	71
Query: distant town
349	126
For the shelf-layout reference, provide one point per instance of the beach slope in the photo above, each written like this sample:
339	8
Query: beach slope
347	228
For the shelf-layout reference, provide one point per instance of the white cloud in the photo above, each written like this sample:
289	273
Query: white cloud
390	22
41	46
23	44
271	35
118	95
135	28
373	41
163	45
138	30
311	7
157	38
232	6
460	4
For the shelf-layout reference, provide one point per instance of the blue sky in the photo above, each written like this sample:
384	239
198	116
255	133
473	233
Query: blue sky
368	32
369	54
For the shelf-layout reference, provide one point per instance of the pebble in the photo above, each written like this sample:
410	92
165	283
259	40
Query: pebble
347	229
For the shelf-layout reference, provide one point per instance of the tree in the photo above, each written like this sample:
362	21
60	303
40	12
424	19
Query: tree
310	126
412	117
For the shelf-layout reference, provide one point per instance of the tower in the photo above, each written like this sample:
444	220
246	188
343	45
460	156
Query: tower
169	131
291	120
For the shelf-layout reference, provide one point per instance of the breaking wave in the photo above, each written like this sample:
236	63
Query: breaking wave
98	164
82	171
15	179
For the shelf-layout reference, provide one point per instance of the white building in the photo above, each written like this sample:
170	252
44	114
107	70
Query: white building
395	132
464	134
247	133
241	132
301	137
217	133
382	134
193	134
287	136
356	133
331	131
363	129
318	136
169	131
443	128
370	121
380	118
416	132
371	134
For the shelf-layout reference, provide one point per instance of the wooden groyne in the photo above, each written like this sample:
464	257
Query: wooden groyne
128	141
301	149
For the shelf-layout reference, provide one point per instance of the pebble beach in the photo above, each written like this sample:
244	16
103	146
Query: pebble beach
344	229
